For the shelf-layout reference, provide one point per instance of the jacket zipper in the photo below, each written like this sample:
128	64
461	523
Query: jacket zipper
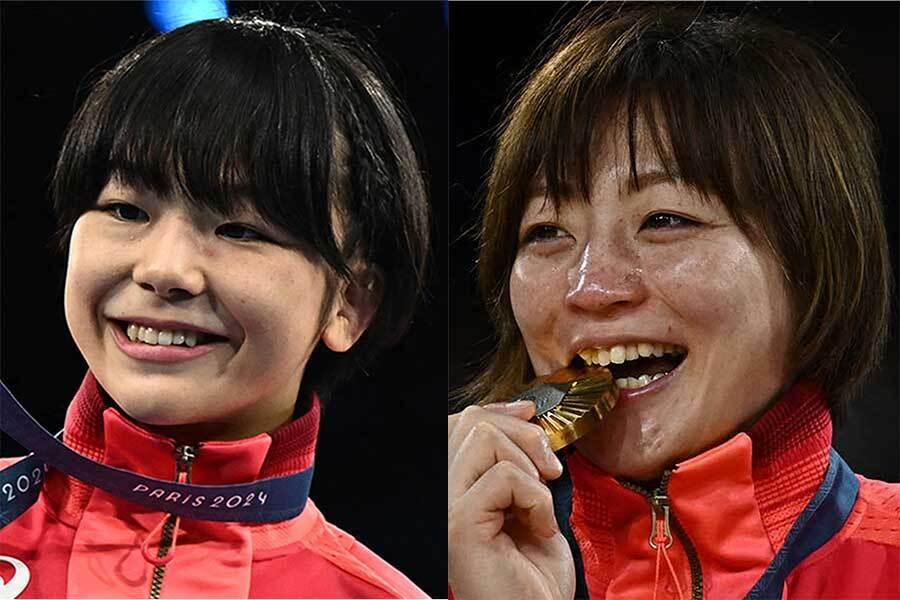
184	457
661	509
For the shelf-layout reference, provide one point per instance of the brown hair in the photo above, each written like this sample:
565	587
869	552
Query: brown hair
735	107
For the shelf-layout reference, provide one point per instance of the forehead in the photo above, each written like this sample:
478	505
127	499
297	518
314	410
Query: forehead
618	160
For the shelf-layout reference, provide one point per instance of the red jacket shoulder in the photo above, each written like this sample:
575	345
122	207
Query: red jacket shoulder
334	565
863	560
881	519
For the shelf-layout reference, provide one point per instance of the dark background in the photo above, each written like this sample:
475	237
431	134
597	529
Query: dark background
487	60
380	457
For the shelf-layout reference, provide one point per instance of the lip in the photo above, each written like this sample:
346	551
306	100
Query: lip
158	354
171	325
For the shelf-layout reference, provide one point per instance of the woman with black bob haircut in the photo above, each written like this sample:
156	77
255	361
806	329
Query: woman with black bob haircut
690	200
245	222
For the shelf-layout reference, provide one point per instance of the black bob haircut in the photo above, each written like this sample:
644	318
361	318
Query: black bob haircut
299	122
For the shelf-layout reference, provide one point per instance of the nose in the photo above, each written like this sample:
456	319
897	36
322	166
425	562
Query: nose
169	261
607	279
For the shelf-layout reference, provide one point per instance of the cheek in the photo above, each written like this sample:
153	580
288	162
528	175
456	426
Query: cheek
92	271
537	291
732	295
277	306
704	283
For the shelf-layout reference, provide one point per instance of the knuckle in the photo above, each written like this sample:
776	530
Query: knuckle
506	470
471	413
484	429
535	437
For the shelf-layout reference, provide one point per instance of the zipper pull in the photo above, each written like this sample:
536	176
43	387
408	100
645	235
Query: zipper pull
167	529
660	535
659	528
184	456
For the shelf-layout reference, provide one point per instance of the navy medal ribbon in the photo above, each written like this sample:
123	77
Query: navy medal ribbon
265	500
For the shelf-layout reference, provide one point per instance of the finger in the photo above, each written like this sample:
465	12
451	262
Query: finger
485	446
527	436
504	487
523	409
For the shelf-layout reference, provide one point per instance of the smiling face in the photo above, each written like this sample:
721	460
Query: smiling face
657	266
138	258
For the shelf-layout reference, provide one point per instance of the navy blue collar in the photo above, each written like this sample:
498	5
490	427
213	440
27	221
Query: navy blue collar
822	518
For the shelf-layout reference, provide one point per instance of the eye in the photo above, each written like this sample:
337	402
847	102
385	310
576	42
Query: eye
667	221
543	232
236	231
125	212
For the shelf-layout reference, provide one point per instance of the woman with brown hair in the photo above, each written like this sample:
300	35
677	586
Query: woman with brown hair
691	201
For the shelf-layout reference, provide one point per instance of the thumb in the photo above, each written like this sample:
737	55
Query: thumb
523	409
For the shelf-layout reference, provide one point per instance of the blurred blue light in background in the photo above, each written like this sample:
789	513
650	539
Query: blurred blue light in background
166	15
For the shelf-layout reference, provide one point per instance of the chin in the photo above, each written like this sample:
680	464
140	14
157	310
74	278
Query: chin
636	463
156	411
151	416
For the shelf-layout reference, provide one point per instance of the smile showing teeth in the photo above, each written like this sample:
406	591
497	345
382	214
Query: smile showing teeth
635	365
161	337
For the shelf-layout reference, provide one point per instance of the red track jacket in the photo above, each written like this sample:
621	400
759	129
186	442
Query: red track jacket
80	541
744	513
772	513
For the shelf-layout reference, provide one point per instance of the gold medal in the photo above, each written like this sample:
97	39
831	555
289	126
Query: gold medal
571	402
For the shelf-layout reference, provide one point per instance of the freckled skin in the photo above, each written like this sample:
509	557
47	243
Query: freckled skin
265	298
605	273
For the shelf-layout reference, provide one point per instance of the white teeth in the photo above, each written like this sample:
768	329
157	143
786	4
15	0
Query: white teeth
617	354
624	352
603	358
161	337
633	383
621	353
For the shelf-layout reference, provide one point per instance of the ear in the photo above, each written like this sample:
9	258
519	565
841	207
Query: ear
354	309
